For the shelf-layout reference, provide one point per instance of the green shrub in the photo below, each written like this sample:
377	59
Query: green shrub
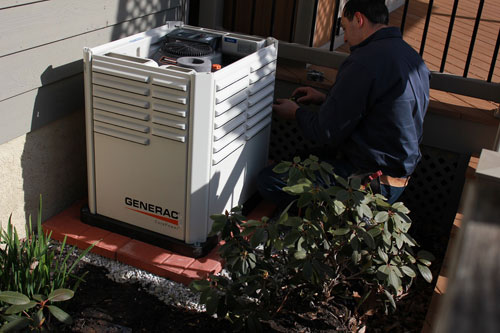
31	268
343	239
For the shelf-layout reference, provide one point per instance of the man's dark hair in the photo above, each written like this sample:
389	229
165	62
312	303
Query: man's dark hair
375	10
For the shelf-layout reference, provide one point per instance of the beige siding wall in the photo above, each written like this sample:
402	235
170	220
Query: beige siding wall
42	138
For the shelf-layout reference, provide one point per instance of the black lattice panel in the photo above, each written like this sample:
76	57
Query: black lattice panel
287	141
433	193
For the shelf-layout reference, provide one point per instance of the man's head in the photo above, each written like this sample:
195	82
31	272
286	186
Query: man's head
361	18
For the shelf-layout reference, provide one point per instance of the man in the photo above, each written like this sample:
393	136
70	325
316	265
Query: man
373	115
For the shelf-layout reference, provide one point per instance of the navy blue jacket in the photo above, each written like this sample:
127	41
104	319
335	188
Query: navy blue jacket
374	112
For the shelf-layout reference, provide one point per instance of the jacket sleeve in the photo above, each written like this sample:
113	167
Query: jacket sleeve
345	105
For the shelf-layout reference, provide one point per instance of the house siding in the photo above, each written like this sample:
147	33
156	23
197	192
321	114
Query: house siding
42	138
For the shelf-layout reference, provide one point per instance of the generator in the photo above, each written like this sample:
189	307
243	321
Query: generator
177	129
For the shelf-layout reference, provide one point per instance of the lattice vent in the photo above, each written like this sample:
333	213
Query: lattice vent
433	193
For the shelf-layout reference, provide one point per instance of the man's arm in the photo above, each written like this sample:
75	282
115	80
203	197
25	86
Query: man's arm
343	108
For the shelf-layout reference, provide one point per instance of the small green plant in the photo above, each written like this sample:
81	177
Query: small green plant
344	239
31	268
34	311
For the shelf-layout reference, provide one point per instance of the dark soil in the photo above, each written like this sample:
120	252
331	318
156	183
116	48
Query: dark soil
102	305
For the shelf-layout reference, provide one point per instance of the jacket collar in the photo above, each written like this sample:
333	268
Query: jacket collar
387	32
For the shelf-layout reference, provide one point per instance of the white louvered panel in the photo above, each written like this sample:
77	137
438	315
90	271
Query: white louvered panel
262	83
265	56
119	133
251	122
228	138
254	109
120	121
172	82
231	90
230	114
230	79
170	95
229	126
221	155
175	109
259	96
120	108
120	96
170	134
119	70
170	121
120	84
230	102
258	74
257	128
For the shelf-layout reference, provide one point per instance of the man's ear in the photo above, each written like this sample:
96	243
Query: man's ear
359	19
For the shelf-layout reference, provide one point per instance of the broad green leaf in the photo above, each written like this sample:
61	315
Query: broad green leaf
327	167
300	255
384	269
342	195
399	240
422	254
400	207
259	237
296	159
408	271
341	181
282	167
20	307
199	285
60	314
368	239
408	240
294	221
15	325
381	201
62	294
252	223
341	231
304	200
366	210
425	272
394	280
355	183
12	297
382	255
218	225
386	237
390	298
356	257
291	238
338	206
297	188
332	191
374	232
381	217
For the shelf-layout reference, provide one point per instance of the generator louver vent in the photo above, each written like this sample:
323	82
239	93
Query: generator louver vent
187	49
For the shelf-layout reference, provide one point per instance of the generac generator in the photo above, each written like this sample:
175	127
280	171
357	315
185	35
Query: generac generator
178	125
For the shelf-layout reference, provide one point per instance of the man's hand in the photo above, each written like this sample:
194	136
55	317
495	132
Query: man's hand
308	95
285	109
